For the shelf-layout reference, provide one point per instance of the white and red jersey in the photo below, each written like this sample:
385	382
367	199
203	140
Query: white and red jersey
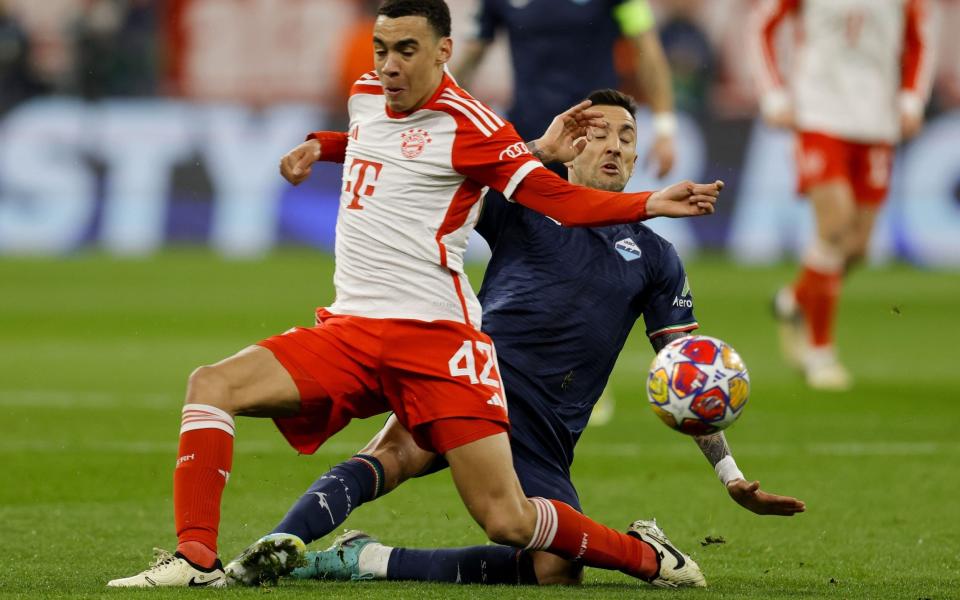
857	64
411	185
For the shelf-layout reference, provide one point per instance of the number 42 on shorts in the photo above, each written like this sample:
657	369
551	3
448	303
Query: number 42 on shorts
463	363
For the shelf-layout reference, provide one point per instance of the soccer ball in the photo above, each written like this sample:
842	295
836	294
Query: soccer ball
698	385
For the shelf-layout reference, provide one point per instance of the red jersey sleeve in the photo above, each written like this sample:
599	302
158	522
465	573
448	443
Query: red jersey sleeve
915	60
765	20
333	145
573	205
500	160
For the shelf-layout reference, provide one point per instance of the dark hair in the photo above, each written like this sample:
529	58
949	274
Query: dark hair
609	97
436	12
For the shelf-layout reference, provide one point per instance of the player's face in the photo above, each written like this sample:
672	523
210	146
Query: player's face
409	58
607	161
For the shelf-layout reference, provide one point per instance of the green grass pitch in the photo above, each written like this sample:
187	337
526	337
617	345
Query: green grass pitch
94	354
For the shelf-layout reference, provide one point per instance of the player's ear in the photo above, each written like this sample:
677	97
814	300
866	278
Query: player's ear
444	50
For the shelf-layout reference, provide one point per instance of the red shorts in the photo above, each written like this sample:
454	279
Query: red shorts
350	367
866	167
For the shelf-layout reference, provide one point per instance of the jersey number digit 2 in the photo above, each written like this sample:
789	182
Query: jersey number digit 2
357	175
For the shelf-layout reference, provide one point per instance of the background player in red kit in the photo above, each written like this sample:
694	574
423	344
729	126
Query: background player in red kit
858	85
403	333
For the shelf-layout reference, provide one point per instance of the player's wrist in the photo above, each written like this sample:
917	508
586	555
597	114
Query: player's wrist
540	150
774	103
727	470
651	205
911	105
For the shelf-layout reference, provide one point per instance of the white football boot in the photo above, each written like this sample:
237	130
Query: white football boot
268	559
791	328
174	570
824	372
676	569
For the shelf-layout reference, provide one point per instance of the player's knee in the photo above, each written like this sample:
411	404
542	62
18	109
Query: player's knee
207	385
507	529
394	458
559	573
855	257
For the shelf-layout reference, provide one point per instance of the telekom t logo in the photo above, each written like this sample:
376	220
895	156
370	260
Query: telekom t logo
354	183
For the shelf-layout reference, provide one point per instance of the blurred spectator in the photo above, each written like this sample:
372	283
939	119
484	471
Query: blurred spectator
16	80
690	54
116	48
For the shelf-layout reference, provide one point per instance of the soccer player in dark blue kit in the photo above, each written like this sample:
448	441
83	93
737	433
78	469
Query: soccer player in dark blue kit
560	51
559	303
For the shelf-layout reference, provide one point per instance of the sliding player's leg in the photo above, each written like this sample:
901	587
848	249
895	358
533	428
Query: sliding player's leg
389	459
356	555
539	476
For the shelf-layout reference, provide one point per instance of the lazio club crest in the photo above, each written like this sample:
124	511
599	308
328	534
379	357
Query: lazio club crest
628	249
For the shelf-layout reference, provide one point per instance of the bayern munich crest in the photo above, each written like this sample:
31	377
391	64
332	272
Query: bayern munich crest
413	142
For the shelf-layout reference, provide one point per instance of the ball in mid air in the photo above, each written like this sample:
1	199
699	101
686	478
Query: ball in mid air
698	385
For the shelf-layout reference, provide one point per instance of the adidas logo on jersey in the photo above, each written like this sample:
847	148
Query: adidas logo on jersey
628	249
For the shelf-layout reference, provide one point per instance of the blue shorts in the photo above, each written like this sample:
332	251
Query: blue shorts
542	477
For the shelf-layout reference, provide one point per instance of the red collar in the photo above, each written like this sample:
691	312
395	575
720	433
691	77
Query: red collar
444	84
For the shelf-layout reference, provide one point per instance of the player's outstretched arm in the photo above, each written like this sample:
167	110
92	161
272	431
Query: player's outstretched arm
745	493
295	166
578	206
685	199
327	146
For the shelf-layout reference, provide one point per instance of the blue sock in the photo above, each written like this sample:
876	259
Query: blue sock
332	498
475	564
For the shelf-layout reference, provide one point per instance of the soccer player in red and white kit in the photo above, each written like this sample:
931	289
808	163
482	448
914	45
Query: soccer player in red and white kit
858	85
403	333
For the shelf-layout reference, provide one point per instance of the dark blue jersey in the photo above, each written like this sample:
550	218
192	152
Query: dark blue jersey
561	51
559	303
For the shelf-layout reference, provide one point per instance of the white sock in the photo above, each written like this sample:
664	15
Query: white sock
374	559
821	355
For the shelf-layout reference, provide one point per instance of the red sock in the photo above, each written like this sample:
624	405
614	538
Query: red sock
565	532
818	294
203	468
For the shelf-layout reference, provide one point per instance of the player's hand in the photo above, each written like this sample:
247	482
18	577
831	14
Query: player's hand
685	199
749	495
663	154
295	166
559	142
777	110
910	124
